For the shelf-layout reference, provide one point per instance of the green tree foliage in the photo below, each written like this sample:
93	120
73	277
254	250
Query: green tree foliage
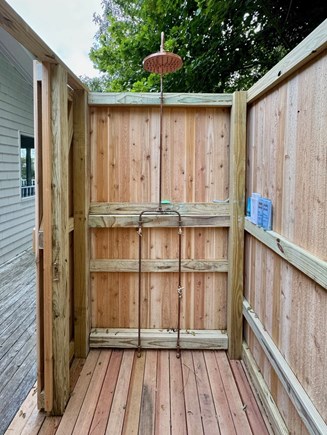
225	44
95	84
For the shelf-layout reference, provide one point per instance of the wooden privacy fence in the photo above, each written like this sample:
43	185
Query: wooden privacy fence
204	160
203	178
286	269
197	173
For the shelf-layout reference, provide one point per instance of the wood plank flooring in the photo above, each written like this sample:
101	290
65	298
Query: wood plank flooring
17	334
118	393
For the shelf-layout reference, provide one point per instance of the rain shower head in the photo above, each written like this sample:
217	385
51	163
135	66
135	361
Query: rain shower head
163	62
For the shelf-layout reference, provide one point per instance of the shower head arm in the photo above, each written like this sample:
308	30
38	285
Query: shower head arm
162	42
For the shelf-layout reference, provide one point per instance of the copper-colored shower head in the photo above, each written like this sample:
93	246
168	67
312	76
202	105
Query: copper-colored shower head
163	62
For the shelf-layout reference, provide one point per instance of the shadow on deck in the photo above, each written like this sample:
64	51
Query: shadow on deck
115	392
17	334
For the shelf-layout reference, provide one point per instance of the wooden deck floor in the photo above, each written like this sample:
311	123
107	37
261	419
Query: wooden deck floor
118	393
17	334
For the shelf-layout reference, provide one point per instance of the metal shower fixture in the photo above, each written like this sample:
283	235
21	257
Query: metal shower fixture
163	62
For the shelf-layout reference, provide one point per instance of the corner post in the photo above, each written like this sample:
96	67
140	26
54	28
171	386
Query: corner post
236	231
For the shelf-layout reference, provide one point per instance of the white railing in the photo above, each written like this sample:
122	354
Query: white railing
27	190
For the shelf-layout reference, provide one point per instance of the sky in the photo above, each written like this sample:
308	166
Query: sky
66	26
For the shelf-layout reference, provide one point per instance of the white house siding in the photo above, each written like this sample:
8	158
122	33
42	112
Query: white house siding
16	116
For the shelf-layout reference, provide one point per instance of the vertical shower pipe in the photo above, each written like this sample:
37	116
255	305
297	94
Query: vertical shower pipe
179	288
160	139
161	62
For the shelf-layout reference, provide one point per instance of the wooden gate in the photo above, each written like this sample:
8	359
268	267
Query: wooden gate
203	178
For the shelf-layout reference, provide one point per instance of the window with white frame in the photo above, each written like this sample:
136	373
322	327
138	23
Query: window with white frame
27	166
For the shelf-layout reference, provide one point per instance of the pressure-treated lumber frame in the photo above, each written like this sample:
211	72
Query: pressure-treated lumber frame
159	338
274	416
44	312
20	30
309	264
106	215
131	221
307	50
38	233
236	231
305	408
60	241
228	214
170	99
167	265
52	239
280	79
81	171
185	208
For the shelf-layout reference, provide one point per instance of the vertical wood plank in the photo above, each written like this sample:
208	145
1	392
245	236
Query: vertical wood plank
236	232
81	185
125	140
60	240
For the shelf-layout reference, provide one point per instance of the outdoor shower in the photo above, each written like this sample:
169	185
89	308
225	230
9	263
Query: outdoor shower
162	62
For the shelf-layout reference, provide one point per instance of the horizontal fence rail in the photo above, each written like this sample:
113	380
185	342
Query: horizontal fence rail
309	264
303	404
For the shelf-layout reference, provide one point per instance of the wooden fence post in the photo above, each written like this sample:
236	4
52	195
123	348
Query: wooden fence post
81	183
60	238
236	231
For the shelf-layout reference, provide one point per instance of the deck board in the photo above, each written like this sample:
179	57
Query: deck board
102	411
116	392
177	407
253	412
220	399
86	413
162	414
148	401
132	416
75	403
192	405
119	404
17	335
207	407
236	406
